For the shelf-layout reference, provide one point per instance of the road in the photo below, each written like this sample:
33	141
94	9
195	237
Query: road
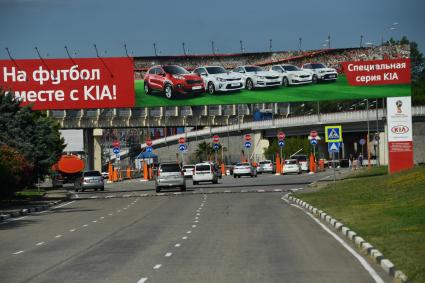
237	231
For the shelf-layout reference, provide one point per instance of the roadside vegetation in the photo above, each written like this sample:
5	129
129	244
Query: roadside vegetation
387	210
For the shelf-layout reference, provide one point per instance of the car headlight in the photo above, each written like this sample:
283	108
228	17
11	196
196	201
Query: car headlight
221	79
261	77
178	77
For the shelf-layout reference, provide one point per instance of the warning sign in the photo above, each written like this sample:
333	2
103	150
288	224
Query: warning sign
333	133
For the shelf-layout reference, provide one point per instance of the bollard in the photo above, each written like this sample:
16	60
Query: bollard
128	172
145	171
278	167
223	169
322	165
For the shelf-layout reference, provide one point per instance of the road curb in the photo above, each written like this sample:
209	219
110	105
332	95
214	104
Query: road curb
361	244
27	211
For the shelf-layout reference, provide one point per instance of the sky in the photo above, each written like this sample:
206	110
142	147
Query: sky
79	24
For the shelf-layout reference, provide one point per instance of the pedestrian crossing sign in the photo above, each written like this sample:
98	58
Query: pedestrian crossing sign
333	133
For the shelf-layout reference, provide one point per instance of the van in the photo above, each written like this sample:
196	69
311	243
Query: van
204	172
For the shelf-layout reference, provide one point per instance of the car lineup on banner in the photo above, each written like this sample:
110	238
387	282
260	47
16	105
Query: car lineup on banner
215	79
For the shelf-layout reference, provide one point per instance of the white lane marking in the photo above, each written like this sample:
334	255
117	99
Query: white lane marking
119	210
94	197
184	237
85	225
197	214
110	214
58	236
65	204
71	230
142	280
39	244
324	178
244	191
193	226
188	232
125	208
168	254
102	217
277	190
197	217
260	191
94	221
158	266
196	221
177	245
18	252
362	261
126	196
227	191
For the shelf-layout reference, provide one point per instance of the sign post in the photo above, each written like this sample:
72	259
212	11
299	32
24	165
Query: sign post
400	137
248	145
216	146
182	147
333	136
281	141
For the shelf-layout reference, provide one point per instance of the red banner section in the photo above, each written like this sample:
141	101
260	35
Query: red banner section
400	156
70	83
377	72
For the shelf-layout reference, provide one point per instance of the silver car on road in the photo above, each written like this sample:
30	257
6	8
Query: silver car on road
169	175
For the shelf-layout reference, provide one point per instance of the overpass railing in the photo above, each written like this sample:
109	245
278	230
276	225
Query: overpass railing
340	117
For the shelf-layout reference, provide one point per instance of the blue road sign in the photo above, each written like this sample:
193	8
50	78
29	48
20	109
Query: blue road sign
216	146
116	150
362	141
149	149
182	147
333	147
313	141
248	144
333	134
281	143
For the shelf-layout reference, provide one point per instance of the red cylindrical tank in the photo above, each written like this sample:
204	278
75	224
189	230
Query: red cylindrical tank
69	164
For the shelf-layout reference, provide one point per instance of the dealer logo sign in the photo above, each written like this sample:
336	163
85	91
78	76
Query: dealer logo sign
399	130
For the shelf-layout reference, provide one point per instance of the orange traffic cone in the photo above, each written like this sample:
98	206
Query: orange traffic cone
278	166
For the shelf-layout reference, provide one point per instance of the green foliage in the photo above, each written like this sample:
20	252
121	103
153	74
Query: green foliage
292	145
15	171
31	133
204	151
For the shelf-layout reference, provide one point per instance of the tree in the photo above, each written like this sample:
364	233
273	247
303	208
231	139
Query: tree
31	133
292	145
204	151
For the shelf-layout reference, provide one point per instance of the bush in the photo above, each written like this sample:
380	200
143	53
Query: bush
15	171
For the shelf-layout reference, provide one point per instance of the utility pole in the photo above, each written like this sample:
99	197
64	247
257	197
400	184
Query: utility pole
270	45
300	41
361	41
154	49
242	48
184	49
329	41
212	47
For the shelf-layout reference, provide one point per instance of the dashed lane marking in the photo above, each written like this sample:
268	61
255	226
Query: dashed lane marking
71	230
39	244
168	254
142	280
158	266
184	237
58	236
18	252
177	245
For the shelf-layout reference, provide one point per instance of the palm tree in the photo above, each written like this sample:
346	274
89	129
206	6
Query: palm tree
204	151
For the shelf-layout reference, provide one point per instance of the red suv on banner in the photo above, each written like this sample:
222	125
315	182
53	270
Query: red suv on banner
377	72
70	83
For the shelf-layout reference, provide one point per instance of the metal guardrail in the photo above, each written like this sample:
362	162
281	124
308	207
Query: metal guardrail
340	117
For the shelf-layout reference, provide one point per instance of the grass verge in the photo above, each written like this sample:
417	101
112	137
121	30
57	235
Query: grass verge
387	210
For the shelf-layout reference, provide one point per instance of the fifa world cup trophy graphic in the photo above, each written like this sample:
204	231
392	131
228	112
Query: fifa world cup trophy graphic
399	104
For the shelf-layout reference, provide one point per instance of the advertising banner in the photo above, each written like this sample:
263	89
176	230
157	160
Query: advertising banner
400	137
70	83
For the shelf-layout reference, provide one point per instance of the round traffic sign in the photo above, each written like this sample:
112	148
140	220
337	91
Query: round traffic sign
182	147
116	143
313	141
313	134
216	139
281	135
248	144
148	142
247	137
216	146
116	150
149	149
362	141
281	143
182	140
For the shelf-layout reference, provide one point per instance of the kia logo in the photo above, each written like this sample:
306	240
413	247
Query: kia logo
400	129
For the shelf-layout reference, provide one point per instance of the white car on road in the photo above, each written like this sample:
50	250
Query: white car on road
320	72
292	75
244	169
292	166
257	77
217	78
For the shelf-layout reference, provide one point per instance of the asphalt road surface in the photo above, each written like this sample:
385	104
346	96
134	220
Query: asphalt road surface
237	231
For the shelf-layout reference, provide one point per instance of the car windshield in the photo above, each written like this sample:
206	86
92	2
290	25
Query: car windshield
170	168
92	174
290	68
175	70
242	164
290	162
250	69
300	157
216	70
318	66
265	162
188	167
202	167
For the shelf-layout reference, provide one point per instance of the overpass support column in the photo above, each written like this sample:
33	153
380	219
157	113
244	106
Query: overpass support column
258	145
97	146
89	148
93	148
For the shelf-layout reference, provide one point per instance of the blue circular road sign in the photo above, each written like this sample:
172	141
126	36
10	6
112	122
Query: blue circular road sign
313	141
216	146
362	142
116	150
182	147
281	143
248	144
149	149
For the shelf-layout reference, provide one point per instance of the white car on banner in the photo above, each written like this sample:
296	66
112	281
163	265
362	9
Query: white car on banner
257	77
217	78
292	75
320	72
